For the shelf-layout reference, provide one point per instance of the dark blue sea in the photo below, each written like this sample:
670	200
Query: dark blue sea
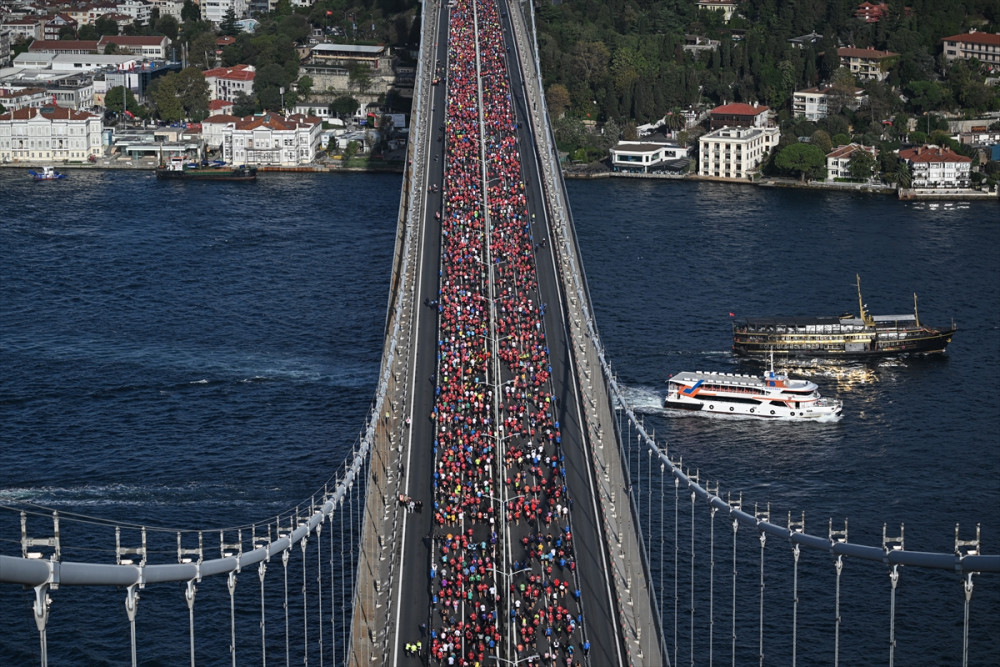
204	355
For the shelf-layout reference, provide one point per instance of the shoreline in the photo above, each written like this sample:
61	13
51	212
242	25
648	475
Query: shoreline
778	182
950	194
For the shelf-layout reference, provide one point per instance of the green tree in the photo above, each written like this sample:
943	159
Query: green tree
821	140
88	32
165	98
106	25
803	159
193	92
927	95
201	52
120	98
344	106
557	98
167	25
351	149
305	85
228	24
359	77
904	177
190	12
244	105
861	165
67	32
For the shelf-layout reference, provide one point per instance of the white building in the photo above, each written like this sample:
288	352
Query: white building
169	7
138	10
33	135
734	152
839	159
867	63
215	10
643	157
983	46
811	103
224	83
936	167
23	29
269	139
727	7
150	47
13	99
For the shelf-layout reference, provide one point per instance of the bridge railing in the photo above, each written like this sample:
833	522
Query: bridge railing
965	562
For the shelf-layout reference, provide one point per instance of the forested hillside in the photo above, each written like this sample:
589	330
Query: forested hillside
624	59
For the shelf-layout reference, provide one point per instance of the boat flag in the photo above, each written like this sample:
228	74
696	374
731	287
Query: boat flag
732	314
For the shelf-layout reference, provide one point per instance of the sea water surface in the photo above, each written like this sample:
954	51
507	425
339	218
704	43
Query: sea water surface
198	355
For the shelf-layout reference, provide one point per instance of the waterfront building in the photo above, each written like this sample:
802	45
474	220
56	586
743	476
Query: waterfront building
49	135
265	140
645	157
735	152
936	167
839	159
867	63
983	46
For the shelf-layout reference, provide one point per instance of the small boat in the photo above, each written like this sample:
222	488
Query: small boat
178	170
845	337
769	396
46	174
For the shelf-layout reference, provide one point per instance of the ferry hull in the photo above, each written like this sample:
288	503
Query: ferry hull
756	345
743	410
207	174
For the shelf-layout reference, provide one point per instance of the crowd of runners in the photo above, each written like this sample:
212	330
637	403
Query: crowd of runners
503	571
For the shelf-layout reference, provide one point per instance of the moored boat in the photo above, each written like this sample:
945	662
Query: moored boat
46	174
177	169
844	337
769	396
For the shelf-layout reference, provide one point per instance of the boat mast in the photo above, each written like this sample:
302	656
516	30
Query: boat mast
861	304
915	316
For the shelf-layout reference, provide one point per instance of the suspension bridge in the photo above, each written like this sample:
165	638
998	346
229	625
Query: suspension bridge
504	505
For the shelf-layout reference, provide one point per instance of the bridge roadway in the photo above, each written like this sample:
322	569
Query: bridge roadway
600	601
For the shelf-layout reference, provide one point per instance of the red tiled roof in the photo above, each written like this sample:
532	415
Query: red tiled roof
63	45
932	154
851	52
23	92
987	38
215	105
57	113
840	152
221	118
234	73
132	40
740	109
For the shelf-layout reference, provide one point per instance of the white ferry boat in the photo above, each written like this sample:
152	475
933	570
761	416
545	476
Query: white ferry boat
769	396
